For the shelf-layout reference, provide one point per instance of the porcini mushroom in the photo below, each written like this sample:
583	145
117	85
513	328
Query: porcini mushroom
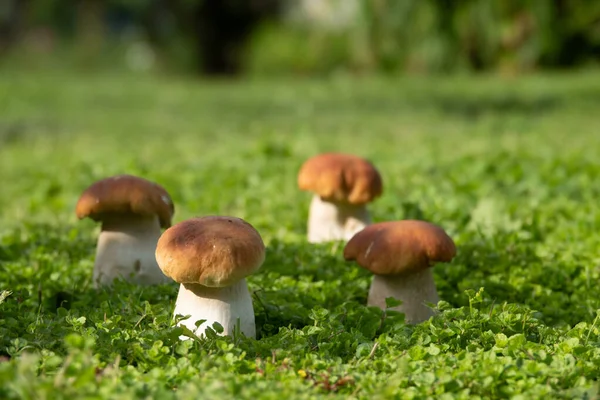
132	211
210	257
342	184
400	254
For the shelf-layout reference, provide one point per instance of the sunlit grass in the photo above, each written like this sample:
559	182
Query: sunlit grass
508	167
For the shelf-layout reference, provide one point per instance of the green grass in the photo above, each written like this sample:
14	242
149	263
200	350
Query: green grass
508	167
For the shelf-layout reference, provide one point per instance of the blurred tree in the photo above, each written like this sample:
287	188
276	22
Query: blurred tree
576	33
12	22
90	28
220	30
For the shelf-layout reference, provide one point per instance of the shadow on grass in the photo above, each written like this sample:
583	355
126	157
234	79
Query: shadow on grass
316	262
456	102
24	130
472	107
297	277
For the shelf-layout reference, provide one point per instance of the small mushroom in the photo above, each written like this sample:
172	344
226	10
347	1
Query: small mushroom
210	257
342	184
132	211
400	254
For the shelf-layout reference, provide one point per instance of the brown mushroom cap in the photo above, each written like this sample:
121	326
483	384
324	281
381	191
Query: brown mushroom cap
125	194
342	178
212	251
399	247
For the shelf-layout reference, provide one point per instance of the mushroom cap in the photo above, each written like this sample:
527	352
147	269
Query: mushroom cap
342	178
125	194
399	247
213	251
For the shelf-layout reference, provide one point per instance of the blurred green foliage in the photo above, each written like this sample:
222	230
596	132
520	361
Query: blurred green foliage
321	36
434	36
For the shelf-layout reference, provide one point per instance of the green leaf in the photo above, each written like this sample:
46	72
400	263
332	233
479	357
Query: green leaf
391	302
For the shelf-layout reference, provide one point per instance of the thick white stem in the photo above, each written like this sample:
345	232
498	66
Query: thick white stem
334	221
225	305
414	290
125	250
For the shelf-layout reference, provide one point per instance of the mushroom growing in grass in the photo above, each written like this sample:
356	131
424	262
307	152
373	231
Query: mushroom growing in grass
343	185
211	257
132	211
400	254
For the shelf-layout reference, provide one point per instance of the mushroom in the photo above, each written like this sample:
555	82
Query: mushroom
210	257
400	254
132	211
342	185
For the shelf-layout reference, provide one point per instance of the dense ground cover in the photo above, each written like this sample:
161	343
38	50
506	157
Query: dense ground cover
508	167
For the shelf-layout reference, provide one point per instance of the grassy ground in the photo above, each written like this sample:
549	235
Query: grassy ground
508	167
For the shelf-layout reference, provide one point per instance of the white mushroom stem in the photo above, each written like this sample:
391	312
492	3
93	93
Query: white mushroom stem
225	305
125	250
414	290
329	221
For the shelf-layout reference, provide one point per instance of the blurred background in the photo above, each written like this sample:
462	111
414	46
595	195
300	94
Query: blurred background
302	37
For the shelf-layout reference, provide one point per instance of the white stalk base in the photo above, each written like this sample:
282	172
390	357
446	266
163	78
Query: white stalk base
334	221
125	250
225	305
414	290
